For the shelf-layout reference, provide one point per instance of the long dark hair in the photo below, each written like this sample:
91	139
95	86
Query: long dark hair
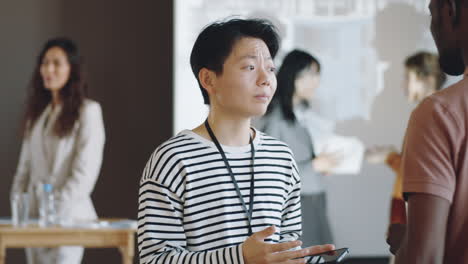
294	63
72	94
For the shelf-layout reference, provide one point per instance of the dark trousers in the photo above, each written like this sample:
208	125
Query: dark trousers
315	225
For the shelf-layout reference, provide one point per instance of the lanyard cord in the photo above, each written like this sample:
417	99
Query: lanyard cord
248	213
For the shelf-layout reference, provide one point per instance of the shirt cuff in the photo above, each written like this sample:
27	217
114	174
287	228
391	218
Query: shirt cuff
428	188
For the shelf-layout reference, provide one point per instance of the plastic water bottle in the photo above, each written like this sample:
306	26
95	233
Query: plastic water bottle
47	212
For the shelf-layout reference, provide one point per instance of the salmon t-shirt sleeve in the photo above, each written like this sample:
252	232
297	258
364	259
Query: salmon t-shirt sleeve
428	164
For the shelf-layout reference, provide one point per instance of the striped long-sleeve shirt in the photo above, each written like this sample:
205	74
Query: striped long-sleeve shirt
189	211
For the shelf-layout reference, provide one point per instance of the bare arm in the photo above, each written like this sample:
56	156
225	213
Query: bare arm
424	241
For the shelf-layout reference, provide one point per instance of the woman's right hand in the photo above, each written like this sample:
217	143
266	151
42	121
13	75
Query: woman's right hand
325	162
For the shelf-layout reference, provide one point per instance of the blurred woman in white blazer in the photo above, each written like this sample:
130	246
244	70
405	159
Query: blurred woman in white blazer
63	142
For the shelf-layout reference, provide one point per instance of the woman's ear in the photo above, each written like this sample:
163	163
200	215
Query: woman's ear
208	80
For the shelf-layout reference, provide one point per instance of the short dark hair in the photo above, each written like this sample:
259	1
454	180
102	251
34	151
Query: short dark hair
426	64
215	42
293	65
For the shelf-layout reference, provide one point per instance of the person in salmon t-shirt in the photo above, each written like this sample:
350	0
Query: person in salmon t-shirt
435	154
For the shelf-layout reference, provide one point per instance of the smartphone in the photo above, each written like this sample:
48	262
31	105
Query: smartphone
329	257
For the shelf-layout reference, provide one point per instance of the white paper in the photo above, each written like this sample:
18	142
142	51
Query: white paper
350	149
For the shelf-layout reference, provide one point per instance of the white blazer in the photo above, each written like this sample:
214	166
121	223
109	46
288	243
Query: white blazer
76	165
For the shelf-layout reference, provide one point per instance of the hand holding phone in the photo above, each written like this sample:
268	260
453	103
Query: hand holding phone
256	250
329	257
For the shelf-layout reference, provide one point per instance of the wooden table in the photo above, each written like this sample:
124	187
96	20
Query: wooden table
33	236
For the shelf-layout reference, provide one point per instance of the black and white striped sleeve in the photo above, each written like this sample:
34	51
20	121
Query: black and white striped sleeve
161	234
291	221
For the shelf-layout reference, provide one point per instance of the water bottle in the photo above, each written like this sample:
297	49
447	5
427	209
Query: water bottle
47	212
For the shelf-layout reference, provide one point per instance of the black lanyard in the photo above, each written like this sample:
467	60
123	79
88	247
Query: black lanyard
248	213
